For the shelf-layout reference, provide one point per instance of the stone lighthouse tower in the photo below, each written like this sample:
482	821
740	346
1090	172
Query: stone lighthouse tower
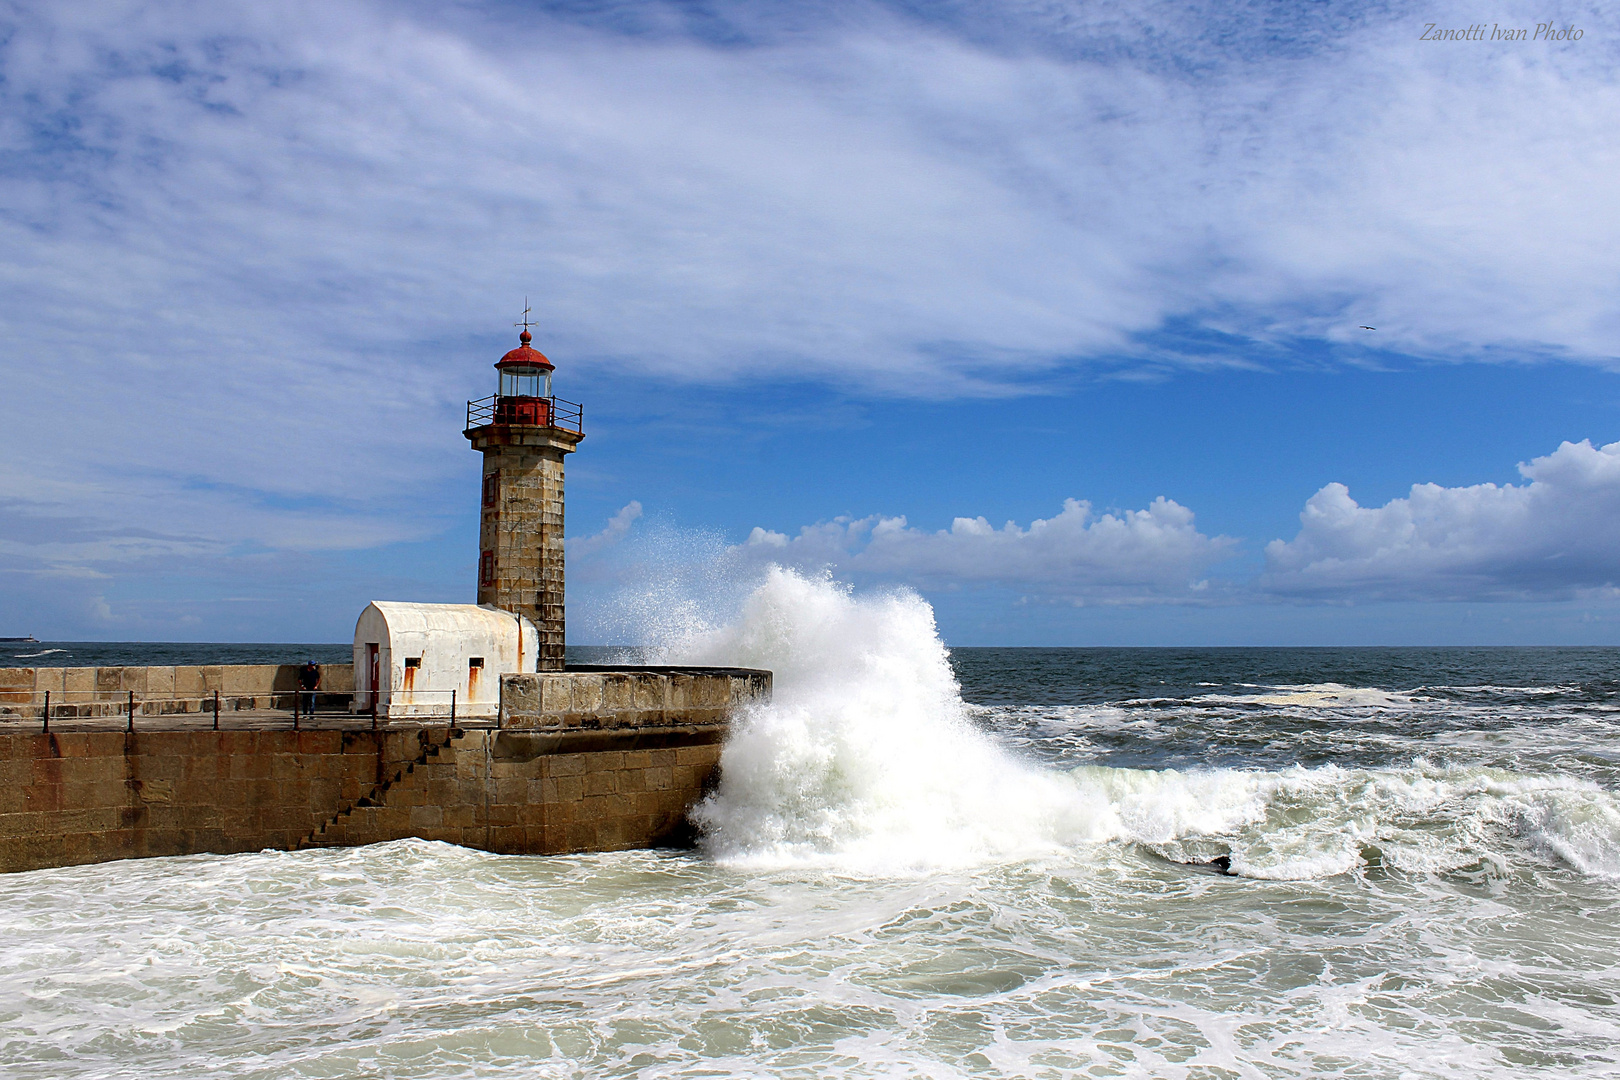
523	433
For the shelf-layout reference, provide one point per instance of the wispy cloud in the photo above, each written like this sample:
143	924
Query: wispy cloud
868	193
252	252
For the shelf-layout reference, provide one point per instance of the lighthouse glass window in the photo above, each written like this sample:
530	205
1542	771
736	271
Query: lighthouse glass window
525	384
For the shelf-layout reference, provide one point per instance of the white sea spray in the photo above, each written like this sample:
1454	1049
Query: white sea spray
866	759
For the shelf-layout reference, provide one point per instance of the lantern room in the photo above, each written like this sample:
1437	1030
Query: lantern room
525	394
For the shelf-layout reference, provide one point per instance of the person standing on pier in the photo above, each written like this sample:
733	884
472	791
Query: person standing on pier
309	680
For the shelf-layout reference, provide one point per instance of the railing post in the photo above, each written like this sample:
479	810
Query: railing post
452	708
216	710
374	696
296	694
131	711
47	716
500	703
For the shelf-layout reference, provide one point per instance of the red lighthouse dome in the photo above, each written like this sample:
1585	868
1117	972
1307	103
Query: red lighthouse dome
524	357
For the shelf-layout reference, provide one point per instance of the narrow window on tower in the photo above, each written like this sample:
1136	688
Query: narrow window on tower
486	568
492	487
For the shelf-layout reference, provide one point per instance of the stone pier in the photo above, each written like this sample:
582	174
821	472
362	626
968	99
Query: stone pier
582	760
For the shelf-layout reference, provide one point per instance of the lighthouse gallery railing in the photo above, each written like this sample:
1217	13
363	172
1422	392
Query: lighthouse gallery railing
543	411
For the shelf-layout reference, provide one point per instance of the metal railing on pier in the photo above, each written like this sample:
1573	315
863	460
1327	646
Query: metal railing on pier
101	710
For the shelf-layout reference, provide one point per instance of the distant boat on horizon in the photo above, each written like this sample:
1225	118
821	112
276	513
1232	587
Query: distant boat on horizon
29	640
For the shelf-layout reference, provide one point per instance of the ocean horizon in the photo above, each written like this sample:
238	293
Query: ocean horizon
200	653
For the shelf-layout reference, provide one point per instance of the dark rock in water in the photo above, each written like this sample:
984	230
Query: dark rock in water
1221	864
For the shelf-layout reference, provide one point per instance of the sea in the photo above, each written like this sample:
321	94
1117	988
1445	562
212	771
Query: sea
922	861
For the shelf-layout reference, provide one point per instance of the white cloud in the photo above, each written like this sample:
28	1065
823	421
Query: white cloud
618	525
1553	537
323	186
255	255
1130	556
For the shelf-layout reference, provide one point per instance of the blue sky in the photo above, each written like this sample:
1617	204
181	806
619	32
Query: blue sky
1052	312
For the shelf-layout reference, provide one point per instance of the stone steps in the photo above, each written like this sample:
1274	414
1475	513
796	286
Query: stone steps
377	796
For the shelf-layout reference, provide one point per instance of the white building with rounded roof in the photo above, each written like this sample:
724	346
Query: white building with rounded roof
417	660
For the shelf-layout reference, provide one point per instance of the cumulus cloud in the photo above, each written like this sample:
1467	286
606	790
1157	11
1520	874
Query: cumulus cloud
1130	556
1550	538
1553	537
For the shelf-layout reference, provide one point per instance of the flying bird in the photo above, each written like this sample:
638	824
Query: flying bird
1369	327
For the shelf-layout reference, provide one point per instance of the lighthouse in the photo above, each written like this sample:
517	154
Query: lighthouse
523	431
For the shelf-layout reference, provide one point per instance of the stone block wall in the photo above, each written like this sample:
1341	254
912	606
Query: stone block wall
519	793
90	796
521	527
593	761
606	698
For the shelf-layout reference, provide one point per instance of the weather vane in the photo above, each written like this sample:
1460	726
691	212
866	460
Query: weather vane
525	322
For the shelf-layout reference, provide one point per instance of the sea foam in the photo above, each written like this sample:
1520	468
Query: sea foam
867	760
